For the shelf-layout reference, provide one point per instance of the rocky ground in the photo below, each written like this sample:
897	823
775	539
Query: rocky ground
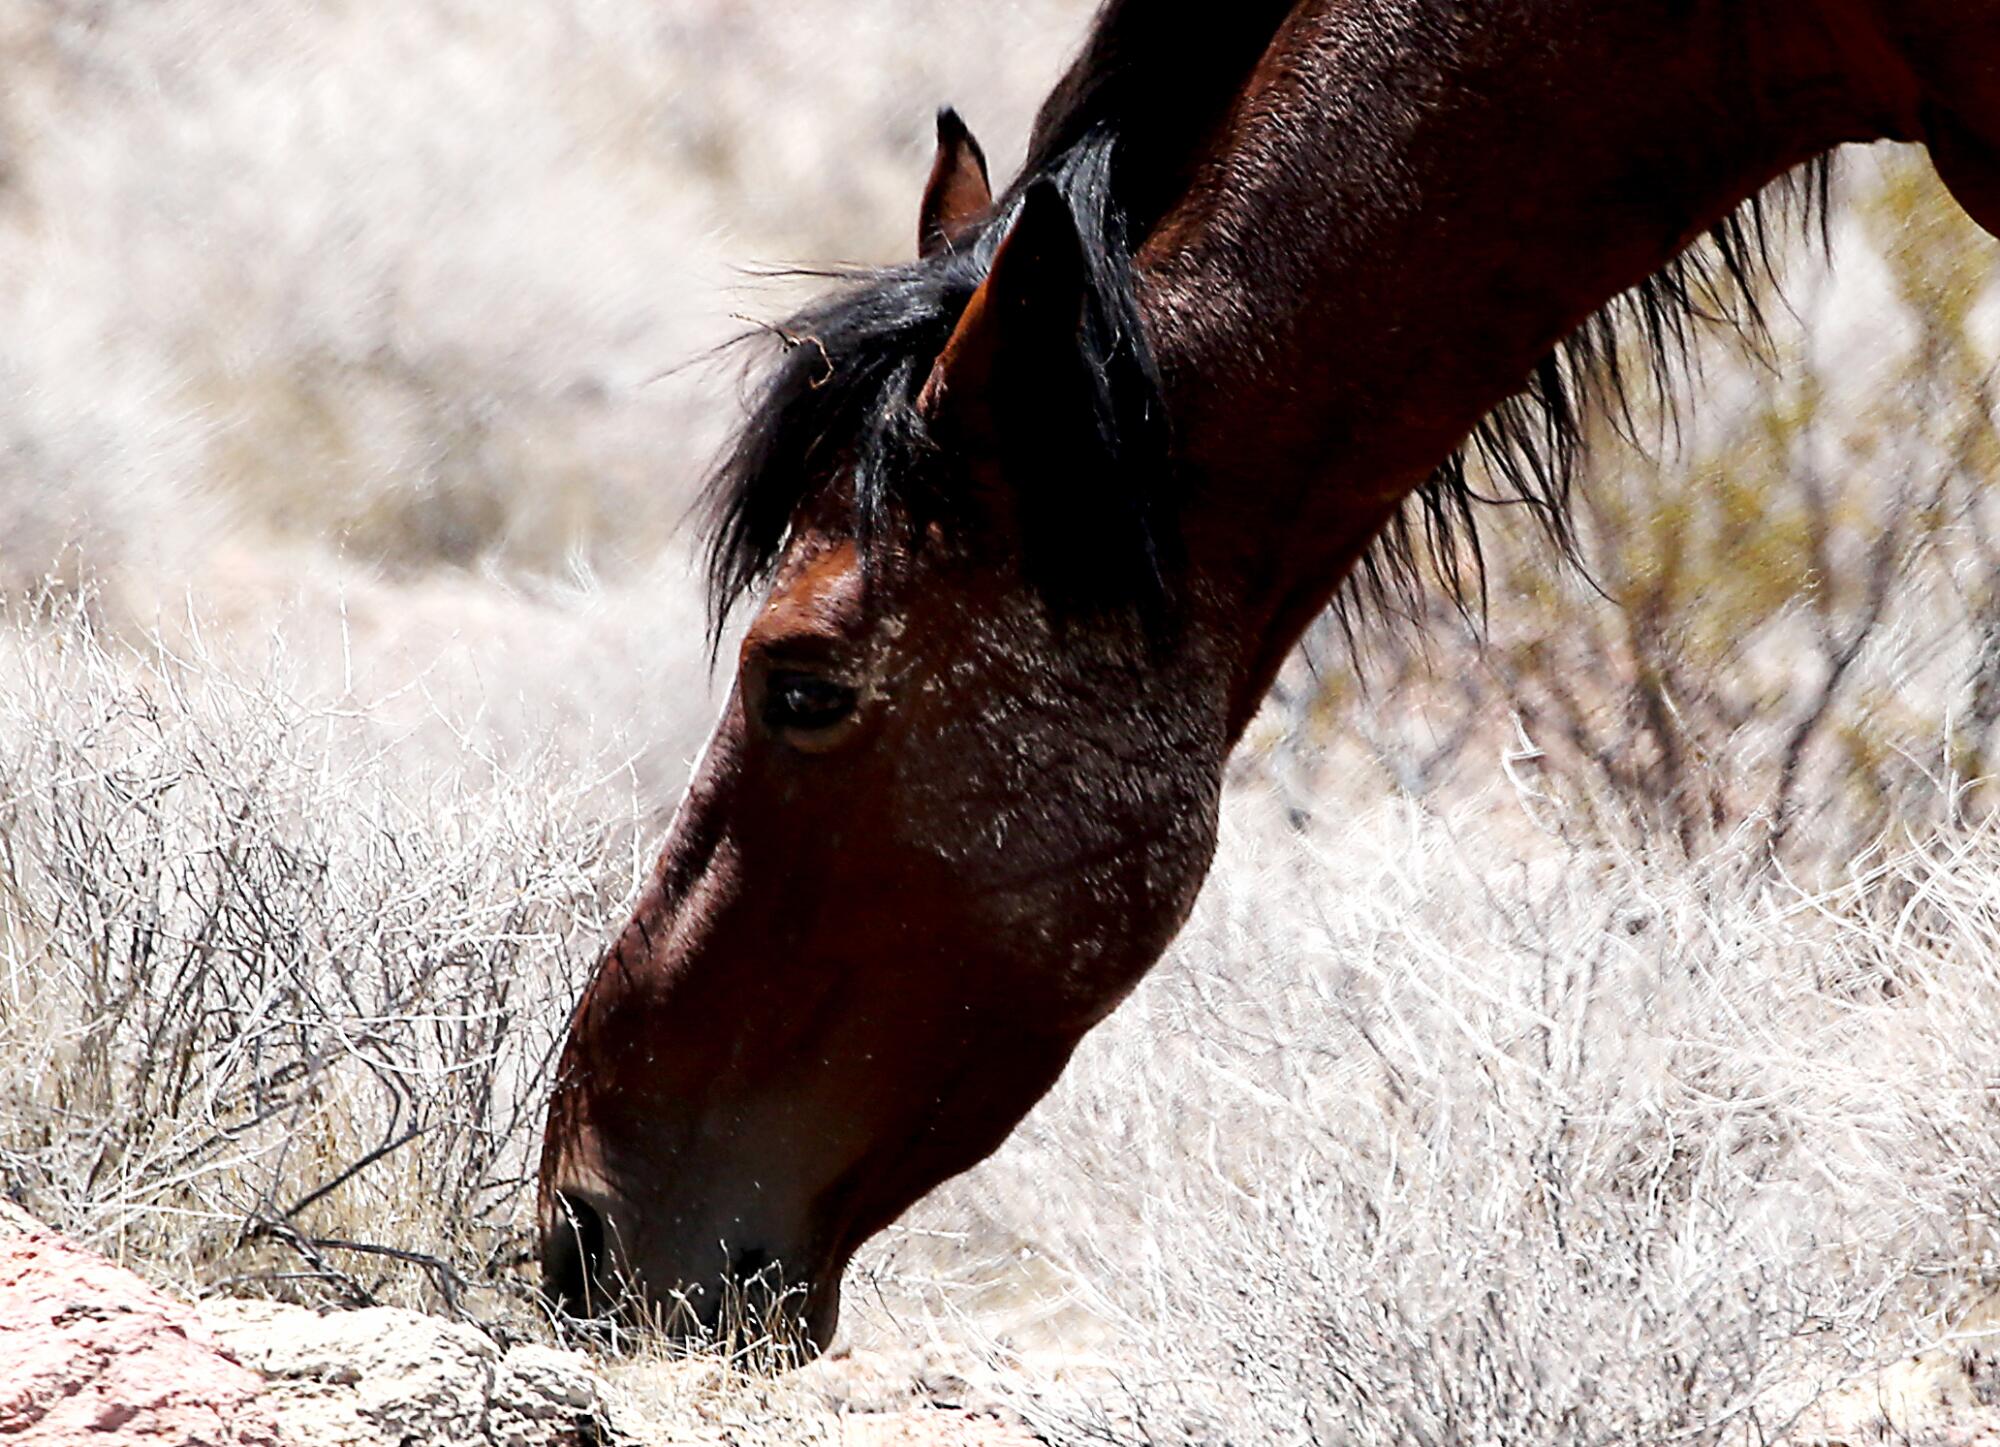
90	1353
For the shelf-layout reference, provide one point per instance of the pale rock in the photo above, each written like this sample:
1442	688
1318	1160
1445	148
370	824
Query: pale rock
384	1377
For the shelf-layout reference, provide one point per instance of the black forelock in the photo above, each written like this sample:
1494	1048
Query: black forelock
838	407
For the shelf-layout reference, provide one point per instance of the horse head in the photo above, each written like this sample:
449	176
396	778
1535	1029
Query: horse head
961	795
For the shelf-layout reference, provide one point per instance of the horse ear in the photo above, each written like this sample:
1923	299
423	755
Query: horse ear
958	193
1020	323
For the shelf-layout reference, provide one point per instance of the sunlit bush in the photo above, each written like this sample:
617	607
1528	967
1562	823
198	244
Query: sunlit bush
1787	609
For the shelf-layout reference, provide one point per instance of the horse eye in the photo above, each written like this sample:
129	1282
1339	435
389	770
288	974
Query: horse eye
805	702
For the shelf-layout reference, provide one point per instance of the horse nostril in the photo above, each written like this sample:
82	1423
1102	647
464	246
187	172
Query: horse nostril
573	1258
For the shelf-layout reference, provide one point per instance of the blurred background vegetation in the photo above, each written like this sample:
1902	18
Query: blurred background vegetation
425	284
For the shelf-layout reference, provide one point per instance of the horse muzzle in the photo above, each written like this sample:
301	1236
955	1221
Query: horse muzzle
598	1264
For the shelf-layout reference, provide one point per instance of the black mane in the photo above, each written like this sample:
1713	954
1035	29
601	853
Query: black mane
1530	449
840	404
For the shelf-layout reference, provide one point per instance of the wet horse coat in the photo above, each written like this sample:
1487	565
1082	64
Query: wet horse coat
1038	517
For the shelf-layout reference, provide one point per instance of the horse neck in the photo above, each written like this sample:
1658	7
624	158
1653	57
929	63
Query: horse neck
1411	203
1170	80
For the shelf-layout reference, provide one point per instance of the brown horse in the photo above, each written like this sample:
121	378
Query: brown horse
1039	516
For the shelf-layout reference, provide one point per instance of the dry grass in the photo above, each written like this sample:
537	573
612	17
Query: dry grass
281	991
1437	1131
1436	1126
